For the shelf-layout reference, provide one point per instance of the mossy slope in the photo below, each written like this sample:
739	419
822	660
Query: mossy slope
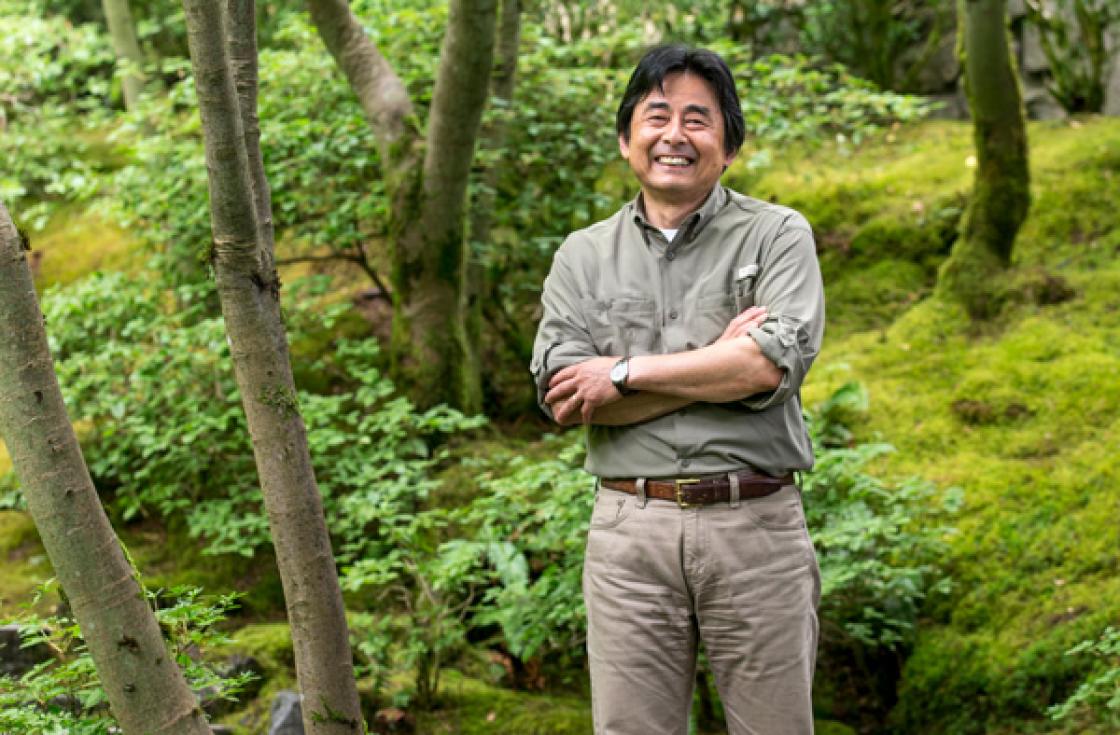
1022	413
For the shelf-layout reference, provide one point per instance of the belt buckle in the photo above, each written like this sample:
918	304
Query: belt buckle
680	492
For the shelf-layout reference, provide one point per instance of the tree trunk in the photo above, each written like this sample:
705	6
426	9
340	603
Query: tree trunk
127	48
1001	190
433	355
248	288
483	280
146	690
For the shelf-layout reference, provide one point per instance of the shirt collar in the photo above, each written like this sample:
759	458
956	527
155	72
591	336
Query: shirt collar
694	223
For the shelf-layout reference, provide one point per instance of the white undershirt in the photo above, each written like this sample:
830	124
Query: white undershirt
669	234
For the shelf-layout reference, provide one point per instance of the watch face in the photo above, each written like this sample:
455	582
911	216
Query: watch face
619	372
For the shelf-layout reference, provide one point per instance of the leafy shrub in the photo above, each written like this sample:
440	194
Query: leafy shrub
166	434
53	79
1099	692
64	694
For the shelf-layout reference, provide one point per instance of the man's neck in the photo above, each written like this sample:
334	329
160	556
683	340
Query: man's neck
669	214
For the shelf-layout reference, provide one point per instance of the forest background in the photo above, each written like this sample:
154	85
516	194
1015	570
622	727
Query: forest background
965	504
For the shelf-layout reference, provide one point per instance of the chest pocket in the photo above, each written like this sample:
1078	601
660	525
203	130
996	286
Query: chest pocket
624	326
707	319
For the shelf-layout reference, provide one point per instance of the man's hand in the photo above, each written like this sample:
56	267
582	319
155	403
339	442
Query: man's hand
576	391
741	325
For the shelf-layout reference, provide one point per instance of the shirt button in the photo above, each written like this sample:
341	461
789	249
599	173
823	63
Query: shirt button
673	314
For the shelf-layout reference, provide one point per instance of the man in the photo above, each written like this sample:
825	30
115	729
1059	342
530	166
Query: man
680	331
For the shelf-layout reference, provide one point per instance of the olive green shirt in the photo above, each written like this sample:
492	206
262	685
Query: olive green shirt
619	288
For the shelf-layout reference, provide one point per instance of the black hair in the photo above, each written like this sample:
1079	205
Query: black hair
661	61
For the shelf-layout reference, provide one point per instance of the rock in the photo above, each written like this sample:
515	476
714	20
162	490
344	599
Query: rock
393	720
14	659
287	715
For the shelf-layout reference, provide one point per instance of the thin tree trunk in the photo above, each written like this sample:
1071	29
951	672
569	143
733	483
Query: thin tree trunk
432	352
122	31
146	690
248	288
380	92
482	282
1001	191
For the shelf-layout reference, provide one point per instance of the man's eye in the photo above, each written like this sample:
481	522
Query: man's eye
696	122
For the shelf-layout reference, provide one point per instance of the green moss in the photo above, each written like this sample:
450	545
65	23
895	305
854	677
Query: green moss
471	706
1021	413
76	242
23	563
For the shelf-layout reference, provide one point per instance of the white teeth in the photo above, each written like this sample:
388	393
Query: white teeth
673	160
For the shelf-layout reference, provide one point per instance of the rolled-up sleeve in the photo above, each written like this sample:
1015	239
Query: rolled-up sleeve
562	338
791	290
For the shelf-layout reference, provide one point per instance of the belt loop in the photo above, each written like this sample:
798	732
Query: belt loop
640	486
733	479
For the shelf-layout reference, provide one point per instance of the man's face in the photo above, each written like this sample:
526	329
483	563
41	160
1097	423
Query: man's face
676	141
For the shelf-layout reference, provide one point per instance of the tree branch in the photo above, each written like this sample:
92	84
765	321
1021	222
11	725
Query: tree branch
380	92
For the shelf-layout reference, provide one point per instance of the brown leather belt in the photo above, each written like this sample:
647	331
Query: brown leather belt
687	491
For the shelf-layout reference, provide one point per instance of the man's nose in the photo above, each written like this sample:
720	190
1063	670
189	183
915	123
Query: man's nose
673	132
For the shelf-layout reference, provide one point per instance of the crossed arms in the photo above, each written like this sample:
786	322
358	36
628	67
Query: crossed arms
731	368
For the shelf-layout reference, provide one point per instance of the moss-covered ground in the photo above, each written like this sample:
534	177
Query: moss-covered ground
1022	413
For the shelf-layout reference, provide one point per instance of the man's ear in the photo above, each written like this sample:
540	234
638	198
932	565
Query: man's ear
624	146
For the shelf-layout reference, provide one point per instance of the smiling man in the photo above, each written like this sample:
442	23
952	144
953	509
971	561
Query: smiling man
680	331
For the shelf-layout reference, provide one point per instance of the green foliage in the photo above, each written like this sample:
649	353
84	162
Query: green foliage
63	695
1100	692
167	433
53	76
878	545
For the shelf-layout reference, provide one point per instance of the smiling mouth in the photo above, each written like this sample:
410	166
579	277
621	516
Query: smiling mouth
673	161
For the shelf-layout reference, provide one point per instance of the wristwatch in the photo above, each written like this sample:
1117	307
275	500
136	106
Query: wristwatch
620	374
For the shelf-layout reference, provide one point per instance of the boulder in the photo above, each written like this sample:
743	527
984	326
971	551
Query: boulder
287	715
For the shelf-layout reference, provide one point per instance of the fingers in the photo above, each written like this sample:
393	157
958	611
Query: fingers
562	375
560	391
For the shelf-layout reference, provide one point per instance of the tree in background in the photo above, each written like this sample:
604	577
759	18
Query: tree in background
122	30
248	288
433	354
1001	190
147	693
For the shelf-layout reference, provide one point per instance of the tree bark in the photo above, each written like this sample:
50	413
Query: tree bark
432	351
1001	190
146	690
122	31
248	289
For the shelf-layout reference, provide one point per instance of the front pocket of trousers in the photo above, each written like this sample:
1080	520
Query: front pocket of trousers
780	511
610	510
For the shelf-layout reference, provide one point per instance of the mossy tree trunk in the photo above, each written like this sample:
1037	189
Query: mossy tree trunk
433	354
248	289
122	31
147	693
1001	190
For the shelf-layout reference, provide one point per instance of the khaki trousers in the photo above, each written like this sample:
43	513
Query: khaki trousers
744	580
